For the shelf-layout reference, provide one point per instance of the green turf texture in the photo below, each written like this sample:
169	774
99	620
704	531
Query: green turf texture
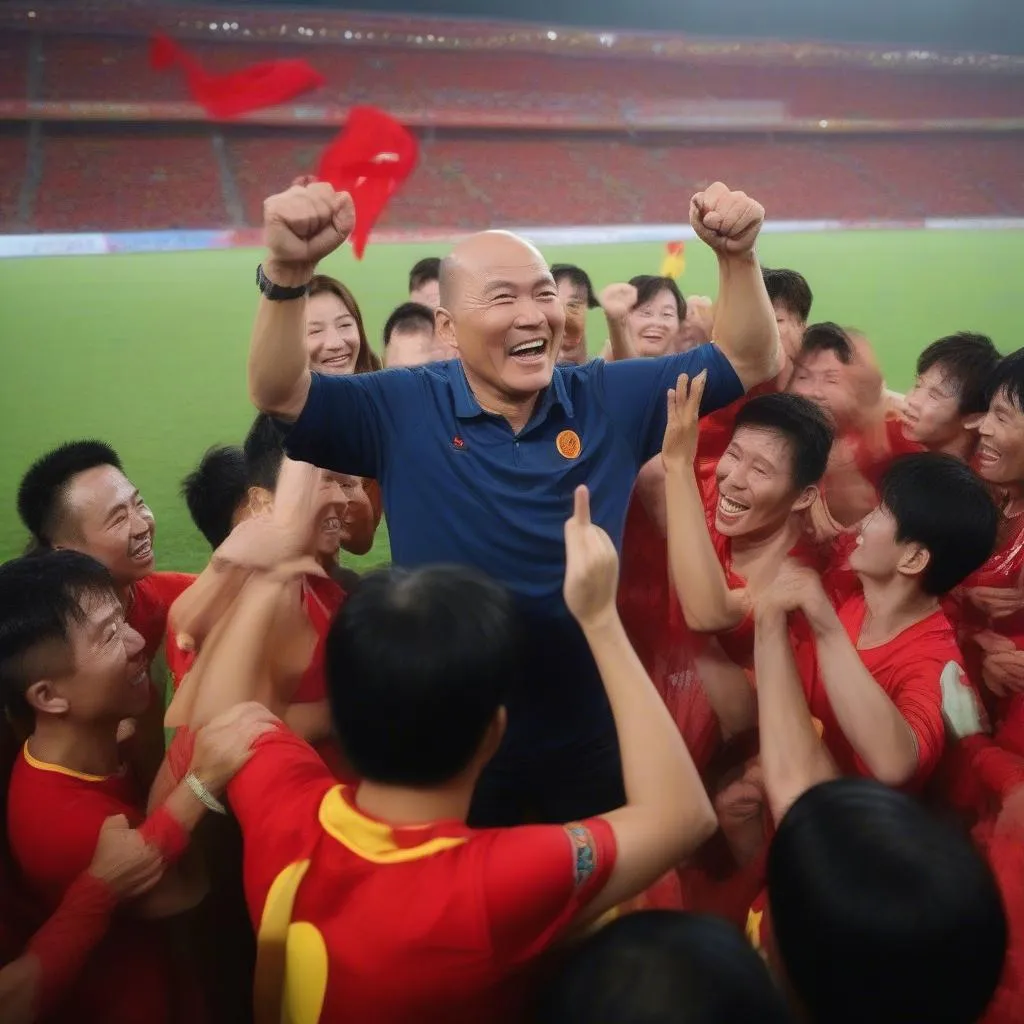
148	352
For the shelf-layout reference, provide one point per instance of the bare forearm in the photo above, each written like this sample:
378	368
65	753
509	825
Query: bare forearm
870	721
745	328
204	603
792	756
278	363
619	338
656	766
650	491
727	689
708	604
233	661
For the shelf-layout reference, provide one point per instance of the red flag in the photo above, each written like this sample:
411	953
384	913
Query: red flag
370	159
238	92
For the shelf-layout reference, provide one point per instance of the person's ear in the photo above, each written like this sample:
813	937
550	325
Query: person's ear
46	698
260	501
808	496
494	735
914	560
444	324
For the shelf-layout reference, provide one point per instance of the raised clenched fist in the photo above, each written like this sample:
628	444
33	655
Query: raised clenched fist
307	222
617	300
728	221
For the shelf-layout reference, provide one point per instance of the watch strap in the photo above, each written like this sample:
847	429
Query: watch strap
278	292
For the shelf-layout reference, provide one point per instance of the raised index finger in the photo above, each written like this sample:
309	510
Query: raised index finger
581	509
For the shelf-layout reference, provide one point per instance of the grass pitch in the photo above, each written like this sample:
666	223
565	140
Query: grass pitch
148	352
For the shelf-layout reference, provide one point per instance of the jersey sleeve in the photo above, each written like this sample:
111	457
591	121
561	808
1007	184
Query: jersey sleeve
916	692
634	392
341	425
537	878
276	798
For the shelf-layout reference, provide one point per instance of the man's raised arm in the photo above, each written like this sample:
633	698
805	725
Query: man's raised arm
745	328
301	226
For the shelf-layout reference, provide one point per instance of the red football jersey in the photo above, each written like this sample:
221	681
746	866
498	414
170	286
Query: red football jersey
432	923
874	456
908	668
151	600
54	817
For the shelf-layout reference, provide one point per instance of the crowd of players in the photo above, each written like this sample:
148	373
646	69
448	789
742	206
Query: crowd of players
812	657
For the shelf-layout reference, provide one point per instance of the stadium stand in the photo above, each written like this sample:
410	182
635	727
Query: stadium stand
170	176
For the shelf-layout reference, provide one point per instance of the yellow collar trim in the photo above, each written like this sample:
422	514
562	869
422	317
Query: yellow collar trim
59	769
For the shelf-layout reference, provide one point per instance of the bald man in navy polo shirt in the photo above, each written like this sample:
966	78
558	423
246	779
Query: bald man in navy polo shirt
478	458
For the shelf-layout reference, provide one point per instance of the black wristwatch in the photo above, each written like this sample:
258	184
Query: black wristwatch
278	292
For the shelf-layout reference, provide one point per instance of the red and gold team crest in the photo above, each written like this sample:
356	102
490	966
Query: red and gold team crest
568	444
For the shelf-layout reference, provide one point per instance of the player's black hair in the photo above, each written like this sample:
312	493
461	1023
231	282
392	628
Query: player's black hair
409	316
968	361
650	285
805	427
264	453
417	665
881	911
790	289
424	271
43	492
939	503
40	598
826	337
663	967
1008	377
214	490
578	278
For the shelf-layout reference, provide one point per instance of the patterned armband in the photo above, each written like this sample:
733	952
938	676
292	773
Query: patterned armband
585	851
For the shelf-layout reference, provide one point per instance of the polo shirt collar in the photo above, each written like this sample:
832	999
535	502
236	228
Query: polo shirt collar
467	407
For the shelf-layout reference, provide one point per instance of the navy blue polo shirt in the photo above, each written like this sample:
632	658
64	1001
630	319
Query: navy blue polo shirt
460	486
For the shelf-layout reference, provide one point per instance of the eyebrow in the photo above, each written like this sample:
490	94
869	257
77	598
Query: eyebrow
511	286
101	628
122	505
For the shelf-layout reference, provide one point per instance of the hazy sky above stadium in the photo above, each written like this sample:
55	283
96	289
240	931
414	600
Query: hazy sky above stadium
989	25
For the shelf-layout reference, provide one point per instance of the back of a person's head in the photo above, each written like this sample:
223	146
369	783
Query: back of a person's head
215	490
789	289
263	449
418	664
967	361
424	271
42	495
938	502
41	598
663	967
409	317
880	911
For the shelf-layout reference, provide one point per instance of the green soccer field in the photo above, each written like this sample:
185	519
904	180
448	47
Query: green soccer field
148	351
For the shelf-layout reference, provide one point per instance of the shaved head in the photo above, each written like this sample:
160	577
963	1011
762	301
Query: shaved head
480	253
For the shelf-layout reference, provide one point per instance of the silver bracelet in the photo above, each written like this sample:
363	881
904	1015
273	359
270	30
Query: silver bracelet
202	794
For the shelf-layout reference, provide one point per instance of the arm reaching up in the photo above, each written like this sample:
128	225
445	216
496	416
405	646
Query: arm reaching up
301	226
617	300
745	327
667	813
709	606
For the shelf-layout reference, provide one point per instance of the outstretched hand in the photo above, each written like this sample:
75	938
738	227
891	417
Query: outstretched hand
682	427
591	566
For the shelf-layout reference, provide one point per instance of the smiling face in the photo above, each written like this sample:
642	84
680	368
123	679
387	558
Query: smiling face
822	377
932	411
332	335
756	492
1000	457
109	520
503	315
574	343
655	324
346	516
104	677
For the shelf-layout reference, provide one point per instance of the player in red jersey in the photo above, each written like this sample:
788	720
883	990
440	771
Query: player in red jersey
34	980
73	667
77	497
941	411
385	905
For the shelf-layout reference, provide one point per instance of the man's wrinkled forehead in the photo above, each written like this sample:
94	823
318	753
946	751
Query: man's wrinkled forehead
486	262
